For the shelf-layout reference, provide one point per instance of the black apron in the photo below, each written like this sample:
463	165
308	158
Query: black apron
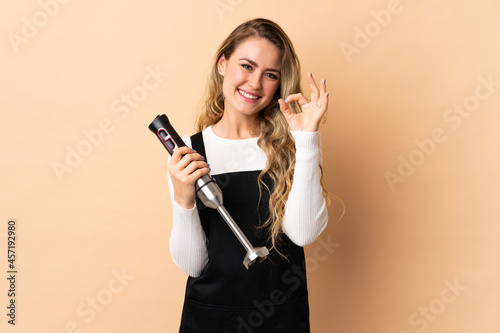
268	297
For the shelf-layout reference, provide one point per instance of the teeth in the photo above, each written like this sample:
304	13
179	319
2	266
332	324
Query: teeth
248	95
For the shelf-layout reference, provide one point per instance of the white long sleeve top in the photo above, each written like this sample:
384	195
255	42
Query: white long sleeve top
305	211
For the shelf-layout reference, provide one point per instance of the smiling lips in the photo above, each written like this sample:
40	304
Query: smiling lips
248	95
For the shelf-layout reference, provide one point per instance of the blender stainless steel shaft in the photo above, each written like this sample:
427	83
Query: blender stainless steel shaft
207	190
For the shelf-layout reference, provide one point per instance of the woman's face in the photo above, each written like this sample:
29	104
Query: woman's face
251	76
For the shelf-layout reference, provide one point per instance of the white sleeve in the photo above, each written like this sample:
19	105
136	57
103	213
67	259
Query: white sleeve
306	215
188	242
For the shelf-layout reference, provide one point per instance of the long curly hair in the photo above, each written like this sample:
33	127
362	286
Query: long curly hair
275	138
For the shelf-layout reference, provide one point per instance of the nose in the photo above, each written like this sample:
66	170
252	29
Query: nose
254	81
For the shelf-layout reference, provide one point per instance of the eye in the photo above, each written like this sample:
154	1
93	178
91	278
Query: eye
272	76
246	66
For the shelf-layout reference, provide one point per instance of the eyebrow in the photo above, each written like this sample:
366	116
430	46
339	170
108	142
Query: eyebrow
255	64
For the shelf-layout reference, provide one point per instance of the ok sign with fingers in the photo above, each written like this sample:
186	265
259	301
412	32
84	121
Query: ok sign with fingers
312	111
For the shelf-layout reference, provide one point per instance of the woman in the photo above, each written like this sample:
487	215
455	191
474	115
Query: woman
260	136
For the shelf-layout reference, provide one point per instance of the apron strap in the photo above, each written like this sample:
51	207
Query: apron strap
198	144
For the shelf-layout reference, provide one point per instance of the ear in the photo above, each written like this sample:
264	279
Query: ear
221	65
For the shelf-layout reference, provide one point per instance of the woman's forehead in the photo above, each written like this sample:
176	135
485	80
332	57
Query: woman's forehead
259	50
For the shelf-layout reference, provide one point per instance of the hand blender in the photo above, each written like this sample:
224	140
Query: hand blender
207	190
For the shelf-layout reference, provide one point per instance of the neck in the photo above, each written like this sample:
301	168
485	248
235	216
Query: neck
237	128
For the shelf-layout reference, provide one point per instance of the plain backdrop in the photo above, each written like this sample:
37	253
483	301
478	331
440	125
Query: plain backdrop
410	145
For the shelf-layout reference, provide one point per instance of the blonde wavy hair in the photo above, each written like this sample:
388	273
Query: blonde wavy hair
275	138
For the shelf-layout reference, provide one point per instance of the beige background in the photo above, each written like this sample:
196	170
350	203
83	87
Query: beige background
401	244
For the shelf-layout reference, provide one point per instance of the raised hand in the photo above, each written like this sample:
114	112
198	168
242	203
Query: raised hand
312	111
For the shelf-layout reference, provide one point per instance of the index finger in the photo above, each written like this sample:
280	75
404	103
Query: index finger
315	94
181	151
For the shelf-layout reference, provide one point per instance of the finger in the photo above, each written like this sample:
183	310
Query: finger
189	158
180	161
315	93
324	105
322	87
195	165
322	95
192	172
189	174
297	97
200	172
284	108
180	152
